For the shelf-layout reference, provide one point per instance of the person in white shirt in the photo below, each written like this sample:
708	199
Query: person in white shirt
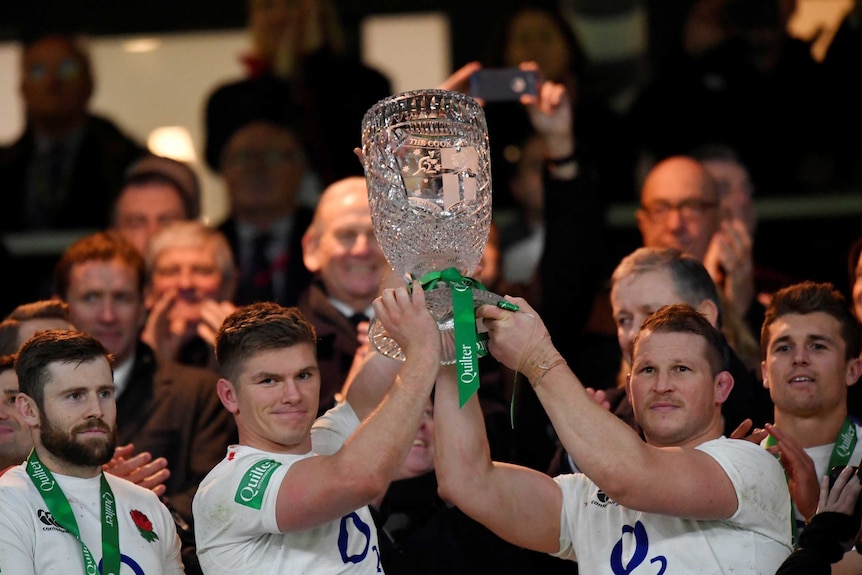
685	500
810	344
285	500
61	513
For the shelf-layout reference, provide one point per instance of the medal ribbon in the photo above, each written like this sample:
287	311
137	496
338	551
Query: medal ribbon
469	345
843	449
62	512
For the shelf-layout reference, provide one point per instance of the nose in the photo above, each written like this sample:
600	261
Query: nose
663	382
185	279
674	219
361	245
107	313
800	355
94	407
290	392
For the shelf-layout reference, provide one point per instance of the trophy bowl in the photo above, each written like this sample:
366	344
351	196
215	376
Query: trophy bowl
428	171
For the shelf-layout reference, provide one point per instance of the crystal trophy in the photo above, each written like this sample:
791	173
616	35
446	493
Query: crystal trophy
427	166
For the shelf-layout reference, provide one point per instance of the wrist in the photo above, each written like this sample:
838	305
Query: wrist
540	369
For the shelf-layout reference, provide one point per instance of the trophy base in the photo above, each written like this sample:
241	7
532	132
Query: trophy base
439	302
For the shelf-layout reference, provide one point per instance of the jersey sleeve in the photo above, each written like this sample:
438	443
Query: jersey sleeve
332	429
763	500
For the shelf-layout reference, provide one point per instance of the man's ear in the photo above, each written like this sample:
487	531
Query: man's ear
27	409
854	370
709	310
310	250
723	386
641	216
763	375
228	395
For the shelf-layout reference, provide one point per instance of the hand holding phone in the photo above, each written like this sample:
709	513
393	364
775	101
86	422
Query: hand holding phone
503	84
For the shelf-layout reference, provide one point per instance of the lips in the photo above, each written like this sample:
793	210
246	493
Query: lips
93	427
801	378
664	406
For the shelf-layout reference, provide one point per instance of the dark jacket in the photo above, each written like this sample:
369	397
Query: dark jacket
297	277
336	341
821	544
95	180
173	411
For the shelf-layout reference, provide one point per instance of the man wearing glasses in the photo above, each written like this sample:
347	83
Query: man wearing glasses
680	210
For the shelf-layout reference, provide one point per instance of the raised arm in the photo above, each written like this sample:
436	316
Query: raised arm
683	482
318	489
519	504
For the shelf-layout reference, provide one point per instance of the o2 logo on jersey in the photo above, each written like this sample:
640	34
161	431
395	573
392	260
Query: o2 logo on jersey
641	541
126	560
352	530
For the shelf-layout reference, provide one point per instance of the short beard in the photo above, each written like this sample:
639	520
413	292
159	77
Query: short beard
64	446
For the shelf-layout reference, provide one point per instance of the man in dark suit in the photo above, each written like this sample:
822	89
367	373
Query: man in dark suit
170	410
253	142
341	250
64	170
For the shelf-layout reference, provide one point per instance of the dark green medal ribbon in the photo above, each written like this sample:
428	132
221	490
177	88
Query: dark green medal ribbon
843	449
469	345
58	506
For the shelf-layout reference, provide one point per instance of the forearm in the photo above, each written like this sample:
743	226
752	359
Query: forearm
606	449
319	489
519	504
382	441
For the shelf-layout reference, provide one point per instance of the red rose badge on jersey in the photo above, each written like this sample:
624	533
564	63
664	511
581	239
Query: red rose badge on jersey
144	525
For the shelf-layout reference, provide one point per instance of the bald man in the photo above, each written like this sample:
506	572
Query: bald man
340	249
681	209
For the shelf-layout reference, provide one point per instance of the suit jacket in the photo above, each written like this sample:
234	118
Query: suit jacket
173	411
297	277
336	341
96	177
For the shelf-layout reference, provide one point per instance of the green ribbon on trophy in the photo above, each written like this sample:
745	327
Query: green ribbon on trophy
470	345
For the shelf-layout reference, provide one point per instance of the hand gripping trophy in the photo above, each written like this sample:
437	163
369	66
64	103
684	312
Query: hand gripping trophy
427	166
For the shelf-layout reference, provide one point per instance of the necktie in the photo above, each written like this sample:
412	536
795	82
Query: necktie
258	277
358	318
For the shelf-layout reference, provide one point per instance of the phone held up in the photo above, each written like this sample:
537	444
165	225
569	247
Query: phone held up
503	84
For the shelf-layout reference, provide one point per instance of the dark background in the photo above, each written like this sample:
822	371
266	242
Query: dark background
472	21
805	247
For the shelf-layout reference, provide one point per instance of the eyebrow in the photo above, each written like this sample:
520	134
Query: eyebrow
808	338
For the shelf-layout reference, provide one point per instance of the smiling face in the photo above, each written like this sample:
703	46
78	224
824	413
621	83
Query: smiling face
420	458
341	247
194	274
274	398
805	367
674	394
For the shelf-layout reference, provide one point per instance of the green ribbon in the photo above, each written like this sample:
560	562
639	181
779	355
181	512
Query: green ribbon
469	345
62	512
842	450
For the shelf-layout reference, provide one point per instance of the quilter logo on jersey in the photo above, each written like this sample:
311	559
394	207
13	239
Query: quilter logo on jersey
253	485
